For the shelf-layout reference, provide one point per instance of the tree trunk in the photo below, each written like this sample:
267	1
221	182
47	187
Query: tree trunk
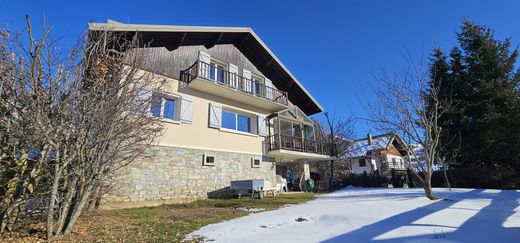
78	209
94	202
52	202
331	179
428	187
445	172
67	201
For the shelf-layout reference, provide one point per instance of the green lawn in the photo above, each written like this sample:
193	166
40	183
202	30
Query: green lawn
171	223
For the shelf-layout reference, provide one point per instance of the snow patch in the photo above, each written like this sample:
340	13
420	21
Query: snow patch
251	210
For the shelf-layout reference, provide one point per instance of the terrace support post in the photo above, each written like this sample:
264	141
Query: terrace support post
279	133
302	138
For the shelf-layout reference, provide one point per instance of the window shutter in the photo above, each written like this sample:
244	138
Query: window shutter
262	126
204	66
269	89
247	83
186	111
233	79
215	115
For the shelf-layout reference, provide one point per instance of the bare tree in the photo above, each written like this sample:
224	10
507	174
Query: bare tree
87	110
408	104
337	133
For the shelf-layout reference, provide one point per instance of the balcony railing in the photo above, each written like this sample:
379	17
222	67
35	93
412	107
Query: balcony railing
276	142
233	81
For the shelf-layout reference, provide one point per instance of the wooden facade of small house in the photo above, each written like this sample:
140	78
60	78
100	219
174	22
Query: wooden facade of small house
380	153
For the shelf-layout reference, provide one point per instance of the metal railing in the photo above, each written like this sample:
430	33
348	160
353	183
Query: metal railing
286	142
234	81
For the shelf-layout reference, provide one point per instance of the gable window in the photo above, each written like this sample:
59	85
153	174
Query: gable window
216	71
257	84
236	121
362	163
163	107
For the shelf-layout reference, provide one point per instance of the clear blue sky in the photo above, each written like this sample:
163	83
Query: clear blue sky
335	48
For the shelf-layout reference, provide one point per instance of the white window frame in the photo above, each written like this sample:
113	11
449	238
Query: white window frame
251	120
205	158
213	65
259	79
176	109
253	164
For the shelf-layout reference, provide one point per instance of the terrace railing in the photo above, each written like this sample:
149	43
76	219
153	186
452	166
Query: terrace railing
286	142
234	81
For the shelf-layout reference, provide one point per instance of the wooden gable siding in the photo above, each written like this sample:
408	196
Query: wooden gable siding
170	63
392	150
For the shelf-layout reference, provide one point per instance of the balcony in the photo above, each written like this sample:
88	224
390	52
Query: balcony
210	79
293	148
292	137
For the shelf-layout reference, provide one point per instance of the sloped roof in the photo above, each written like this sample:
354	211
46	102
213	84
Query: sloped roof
243	38
361	147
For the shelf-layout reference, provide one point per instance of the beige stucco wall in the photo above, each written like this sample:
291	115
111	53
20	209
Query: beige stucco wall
198	134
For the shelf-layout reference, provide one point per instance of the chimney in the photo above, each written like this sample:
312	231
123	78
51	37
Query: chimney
369	137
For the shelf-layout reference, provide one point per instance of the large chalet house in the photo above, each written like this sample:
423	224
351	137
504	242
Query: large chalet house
232	111
380	153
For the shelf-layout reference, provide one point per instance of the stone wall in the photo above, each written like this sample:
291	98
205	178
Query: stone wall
172	174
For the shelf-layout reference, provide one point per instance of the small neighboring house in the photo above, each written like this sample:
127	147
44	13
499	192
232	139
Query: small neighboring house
232	111
377	153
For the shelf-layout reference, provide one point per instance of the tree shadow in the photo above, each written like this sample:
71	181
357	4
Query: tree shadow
487	220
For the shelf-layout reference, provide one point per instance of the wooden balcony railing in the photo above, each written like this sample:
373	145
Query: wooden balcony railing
233	81
275	142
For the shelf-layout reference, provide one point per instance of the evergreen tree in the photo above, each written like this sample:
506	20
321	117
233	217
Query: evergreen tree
480	79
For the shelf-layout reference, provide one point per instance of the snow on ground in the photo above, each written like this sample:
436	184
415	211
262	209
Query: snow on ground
382	215
251	210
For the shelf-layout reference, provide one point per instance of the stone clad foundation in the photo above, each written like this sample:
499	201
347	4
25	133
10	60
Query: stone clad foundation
172	174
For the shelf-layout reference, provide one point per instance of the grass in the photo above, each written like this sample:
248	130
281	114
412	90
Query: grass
268	202
169	223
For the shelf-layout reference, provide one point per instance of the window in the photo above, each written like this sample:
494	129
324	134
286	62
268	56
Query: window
255	163
309	132
169	109
286	127
228	120
295	129
257	85
216	71
236	121
394	162
243	123
362	163
208	160
163	107
156	106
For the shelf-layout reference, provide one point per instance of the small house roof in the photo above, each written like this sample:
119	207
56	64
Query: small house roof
361	147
